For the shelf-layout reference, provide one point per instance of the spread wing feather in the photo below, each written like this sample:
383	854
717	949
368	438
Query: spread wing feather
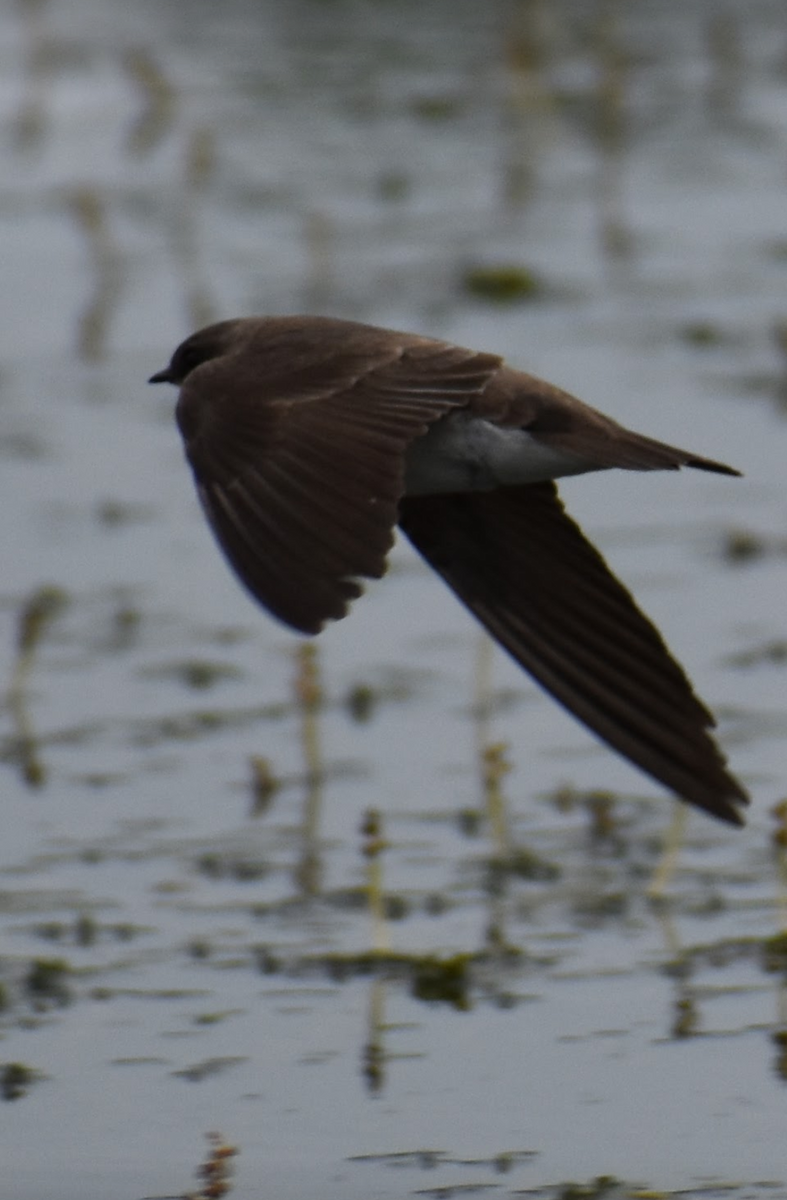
302	491
527	572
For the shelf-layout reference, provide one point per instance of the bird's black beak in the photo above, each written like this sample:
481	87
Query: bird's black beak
164	376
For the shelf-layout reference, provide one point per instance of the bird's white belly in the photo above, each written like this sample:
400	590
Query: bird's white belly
464	454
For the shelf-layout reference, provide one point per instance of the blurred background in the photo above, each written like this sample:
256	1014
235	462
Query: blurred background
375	911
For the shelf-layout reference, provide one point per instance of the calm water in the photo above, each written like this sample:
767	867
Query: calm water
175	959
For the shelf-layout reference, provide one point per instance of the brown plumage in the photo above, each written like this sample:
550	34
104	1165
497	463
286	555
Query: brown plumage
310	439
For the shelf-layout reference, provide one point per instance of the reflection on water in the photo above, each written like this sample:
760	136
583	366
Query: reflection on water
380	915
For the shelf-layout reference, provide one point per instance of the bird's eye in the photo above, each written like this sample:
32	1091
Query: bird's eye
188	359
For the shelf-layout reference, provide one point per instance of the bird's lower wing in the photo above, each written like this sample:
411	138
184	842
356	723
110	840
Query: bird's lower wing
527	572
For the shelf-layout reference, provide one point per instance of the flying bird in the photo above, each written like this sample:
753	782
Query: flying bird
312	438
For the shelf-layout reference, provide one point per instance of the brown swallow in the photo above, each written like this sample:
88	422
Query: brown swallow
311	438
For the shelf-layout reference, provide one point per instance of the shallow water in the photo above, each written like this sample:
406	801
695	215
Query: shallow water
165	164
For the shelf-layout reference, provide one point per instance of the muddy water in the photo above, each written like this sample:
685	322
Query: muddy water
597	192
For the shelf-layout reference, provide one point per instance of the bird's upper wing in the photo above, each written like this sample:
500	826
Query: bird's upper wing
528	573
301	480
